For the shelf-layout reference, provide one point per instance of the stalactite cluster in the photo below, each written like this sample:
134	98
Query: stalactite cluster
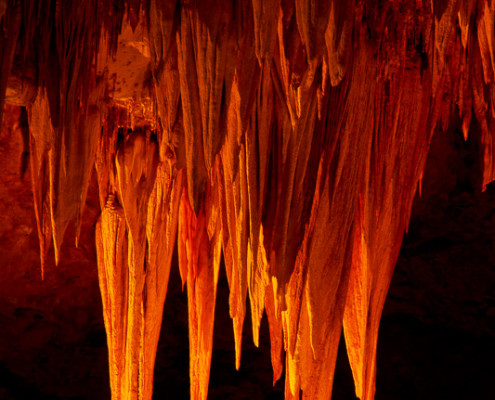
286	138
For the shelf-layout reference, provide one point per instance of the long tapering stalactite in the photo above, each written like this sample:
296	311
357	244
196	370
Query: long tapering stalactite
284	140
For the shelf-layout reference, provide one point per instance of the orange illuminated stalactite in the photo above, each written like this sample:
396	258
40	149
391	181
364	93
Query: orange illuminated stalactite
276	334
393	165
111	242
235	195
135	241
312	20
257	144
63	109
205	77
161	231
316	291
39	142
199	257
136	163
164	60
338	37
356	311
234	192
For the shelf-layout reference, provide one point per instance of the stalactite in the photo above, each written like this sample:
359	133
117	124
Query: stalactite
288	135
338	39
162	26
235	242
276	334
390	179
141	219
199	251
40	139
258	138
136	163
65	117
111	240
265	13
205	78
161	231
75	116
312	21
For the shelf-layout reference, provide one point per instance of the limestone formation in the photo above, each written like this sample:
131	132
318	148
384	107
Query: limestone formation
283	139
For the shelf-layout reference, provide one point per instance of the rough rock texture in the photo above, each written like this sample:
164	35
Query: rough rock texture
285	138
436	335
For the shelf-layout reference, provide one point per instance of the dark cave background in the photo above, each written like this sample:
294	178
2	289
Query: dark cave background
436	336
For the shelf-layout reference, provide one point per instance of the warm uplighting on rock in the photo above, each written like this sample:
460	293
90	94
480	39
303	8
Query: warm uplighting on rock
281	140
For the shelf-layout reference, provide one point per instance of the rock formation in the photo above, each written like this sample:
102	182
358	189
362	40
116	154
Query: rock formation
283	139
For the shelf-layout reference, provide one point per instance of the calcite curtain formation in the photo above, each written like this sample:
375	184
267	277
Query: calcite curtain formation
284	137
